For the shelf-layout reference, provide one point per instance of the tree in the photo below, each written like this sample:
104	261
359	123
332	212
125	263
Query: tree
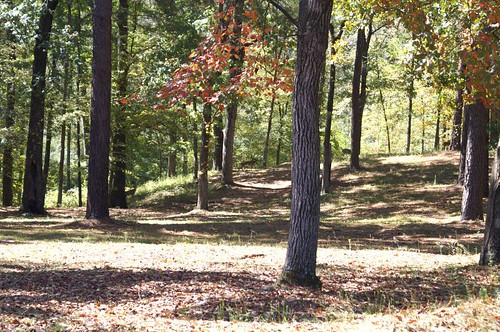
327	145
357	108
490	252
33	200
237	58
118	166
472	207
312	40
100	112
457	114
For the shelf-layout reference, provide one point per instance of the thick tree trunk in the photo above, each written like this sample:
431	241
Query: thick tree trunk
100	113
232	108
7	156
33	200
202	203
312	40
490	252
118	167
472	208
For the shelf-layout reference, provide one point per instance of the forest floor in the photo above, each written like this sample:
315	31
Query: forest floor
393	256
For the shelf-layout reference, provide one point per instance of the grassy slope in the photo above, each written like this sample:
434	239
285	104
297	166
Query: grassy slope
392	256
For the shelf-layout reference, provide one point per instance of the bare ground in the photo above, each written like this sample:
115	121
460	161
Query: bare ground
393	256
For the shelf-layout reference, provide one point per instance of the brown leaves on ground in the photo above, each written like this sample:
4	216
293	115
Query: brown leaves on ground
392	257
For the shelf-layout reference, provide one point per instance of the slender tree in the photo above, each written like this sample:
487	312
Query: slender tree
357	115
100	112
238	54
312	40
327	144
202	203
33	200
457	114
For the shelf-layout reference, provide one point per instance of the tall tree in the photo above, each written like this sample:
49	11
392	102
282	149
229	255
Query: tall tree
100	112
327	144
457	114
118	165
472	207
33	200
202	202
312	40
237	57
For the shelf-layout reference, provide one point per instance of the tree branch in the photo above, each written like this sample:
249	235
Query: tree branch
284	12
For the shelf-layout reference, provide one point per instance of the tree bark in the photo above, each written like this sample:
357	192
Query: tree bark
119	165
357	115
327	143
232	109
219	143
436	135
472	208
312	40
202	203
268	132
7	155
411	93
463	147
490	252
100	113
172	157
33	200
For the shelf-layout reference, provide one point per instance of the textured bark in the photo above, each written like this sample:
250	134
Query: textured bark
118	167
472	208
327	144
100	113
33	200
232	108
490	252
202	203
312	40
7	157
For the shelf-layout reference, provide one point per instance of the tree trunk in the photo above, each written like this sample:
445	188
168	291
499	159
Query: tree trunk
100	113
327	143
384	112
219	143
69	183
357	115
7	157
78	161
60	174
268	132
463	147
237	57
436	135
33	200
312	40
204	153
118	167
172	157
472	208
490	252
411	95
